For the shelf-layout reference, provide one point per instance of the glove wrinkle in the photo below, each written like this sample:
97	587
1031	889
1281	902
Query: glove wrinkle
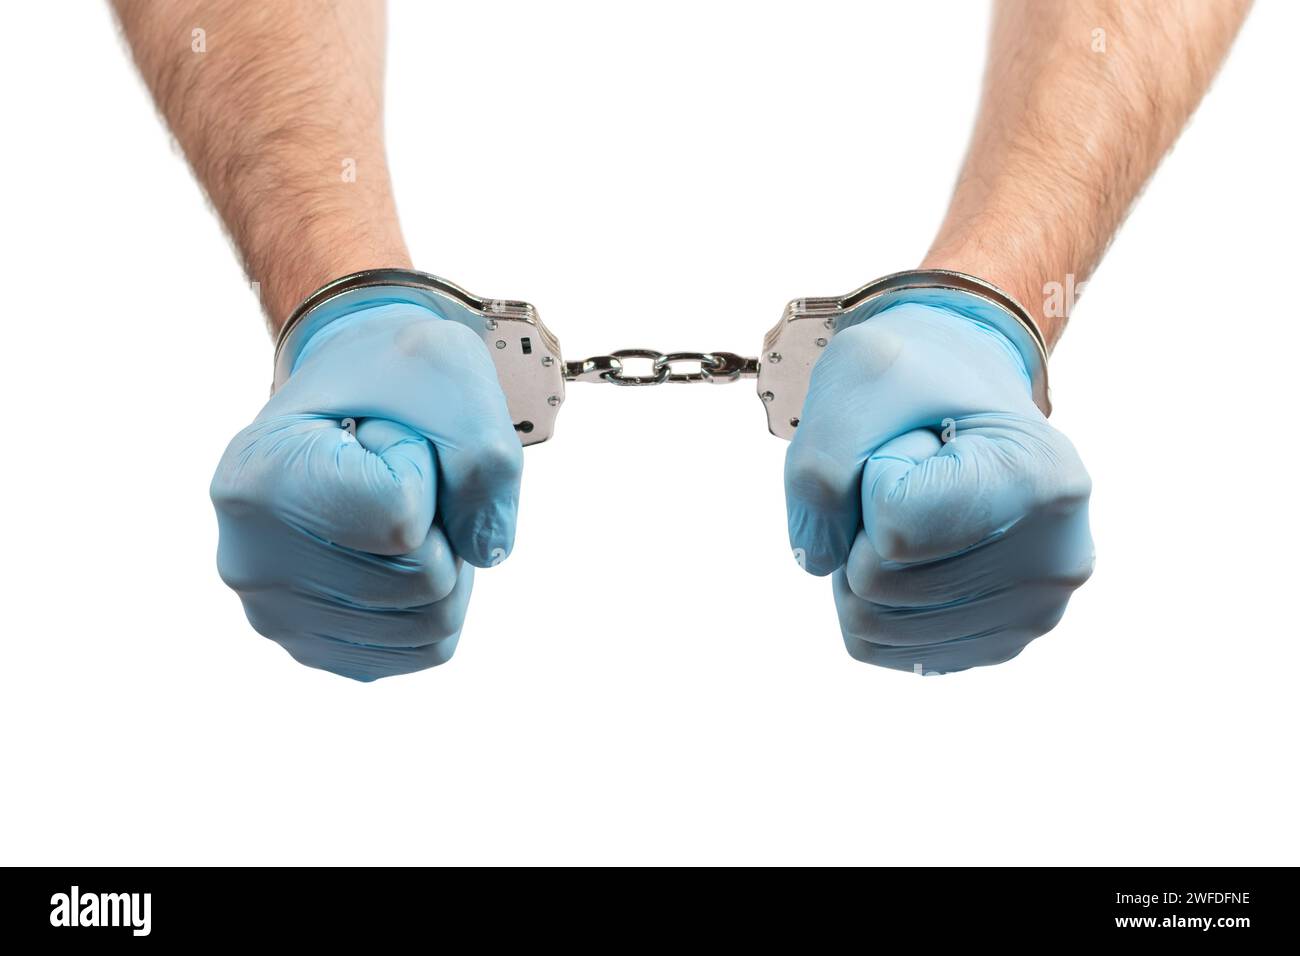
329	534
952	515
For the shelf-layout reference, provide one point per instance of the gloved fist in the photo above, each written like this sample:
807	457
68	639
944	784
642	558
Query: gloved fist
954	517
353	551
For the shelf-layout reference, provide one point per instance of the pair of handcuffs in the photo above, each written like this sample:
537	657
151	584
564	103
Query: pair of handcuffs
533	373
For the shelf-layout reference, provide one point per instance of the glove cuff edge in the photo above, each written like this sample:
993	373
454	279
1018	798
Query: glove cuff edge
970	296
374	287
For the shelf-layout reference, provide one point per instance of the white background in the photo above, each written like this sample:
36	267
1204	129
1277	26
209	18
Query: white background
649	678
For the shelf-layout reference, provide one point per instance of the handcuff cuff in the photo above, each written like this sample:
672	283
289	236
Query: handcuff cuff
533	373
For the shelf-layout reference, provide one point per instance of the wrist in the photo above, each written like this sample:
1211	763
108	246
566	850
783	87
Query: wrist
1018	275
320	255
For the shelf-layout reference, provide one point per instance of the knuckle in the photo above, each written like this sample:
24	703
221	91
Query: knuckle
401	518
462	335
863	574
237	482
235	574
445	344
1068	483
897	540
430	338
1046	620
1078	486
1076	577
873	585
867	350
431	582
497	460
445	620
448	344
863	621
925	524
813	478
241	562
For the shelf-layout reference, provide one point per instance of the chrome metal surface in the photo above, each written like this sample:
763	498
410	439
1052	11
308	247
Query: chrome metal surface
532	372
662	368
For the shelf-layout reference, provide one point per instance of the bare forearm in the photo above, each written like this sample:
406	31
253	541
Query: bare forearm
1081	100
279	109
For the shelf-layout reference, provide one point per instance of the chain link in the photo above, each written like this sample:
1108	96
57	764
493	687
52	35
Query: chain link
662	368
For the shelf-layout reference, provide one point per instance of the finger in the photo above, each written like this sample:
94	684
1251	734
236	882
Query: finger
406	452
975	633
478	498
365	664
282	615
1026	605
257	555
384	582
480	461
313	474
995	472
823	509
362	643
1049	548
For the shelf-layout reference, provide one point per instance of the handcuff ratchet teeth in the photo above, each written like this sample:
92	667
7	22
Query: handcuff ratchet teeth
533	373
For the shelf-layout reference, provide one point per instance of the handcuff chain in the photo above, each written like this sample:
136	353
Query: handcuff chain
717	368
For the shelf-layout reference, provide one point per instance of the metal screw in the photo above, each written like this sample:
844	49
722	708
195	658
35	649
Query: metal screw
548	361
821	343
501	343
794	423
553	400
767	396
774	357
491	325
829	323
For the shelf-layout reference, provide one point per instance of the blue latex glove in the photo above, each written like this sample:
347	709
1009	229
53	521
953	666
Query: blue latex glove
946	554
354	552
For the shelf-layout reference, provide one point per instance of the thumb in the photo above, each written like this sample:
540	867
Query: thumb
385	485
408	456
823	505
455	400
478	498
923	499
